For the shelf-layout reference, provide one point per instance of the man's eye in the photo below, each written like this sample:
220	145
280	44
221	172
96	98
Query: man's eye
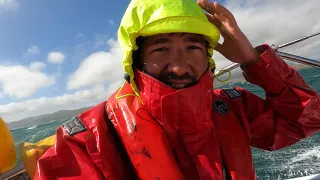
160	49
194	47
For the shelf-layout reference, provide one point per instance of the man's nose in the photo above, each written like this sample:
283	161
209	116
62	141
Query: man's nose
178	63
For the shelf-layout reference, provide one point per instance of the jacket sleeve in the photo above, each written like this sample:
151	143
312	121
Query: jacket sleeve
67	159
87	154
290	111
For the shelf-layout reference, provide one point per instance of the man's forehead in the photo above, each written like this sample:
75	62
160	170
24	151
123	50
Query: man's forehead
162	38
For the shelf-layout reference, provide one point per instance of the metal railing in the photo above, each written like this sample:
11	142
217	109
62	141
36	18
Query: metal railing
284	55
19	170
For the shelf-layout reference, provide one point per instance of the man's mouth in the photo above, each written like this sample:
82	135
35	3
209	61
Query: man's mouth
179	84
177	81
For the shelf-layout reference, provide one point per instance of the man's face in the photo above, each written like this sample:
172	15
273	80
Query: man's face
177	59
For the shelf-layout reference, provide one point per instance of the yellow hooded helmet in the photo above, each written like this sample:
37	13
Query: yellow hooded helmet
151	17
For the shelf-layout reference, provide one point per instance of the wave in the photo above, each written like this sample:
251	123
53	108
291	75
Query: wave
315	76
16	128
309	155
53	121
33	127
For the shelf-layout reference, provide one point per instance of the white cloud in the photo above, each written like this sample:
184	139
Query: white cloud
32	50
20	81
37	66
57	74
80	36
98	68
111	22
101	41
56	57
79	99
8	4
277	22
316	28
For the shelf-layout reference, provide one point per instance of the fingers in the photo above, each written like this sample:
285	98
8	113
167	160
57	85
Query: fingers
215	8
219	48
214	20
206	5
220	17
218	21
222	11
213	13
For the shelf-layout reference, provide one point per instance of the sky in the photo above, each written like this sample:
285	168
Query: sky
57	55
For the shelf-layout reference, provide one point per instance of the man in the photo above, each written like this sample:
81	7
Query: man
166	122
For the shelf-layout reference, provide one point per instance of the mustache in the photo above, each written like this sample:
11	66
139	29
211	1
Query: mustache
166	77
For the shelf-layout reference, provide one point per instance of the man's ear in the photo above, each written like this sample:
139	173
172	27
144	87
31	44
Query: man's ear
136	54
136	58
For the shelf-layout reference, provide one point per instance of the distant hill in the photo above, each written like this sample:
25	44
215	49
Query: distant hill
30	121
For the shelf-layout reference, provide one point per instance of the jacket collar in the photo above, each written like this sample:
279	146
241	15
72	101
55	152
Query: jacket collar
168	104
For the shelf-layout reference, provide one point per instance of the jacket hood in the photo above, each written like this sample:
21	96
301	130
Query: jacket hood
151	17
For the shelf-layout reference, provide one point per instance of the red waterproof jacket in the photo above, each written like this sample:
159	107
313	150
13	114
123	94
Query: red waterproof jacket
193	133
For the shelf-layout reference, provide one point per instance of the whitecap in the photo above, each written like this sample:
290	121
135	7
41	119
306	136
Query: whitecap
32	127
310	154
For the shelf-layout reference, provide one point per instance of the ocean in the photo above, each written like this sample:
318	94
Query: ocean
300	159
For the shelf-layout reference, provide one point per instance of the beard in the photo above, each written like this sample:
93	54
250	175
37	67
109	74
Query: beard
169	77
